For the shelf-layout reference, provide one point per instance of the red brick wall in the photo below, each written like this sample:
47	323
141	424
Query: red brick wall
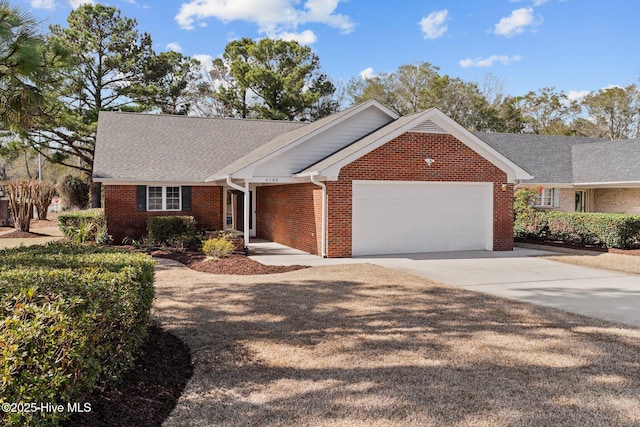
124	220
402	159
290	215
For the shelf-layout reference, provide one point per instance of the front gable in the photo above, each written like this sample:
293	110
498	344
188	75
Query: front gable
431	121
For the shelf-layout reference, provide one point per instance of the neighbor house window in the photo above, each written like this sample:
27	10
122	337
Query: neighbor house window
163	198
547	198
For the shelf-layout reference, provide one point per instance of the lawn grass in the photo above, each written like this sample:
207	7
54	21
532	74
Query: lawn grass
607	261
360	345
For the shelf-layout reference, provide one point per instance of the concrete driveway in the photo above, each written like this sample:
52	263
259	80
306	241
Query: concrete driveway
522	275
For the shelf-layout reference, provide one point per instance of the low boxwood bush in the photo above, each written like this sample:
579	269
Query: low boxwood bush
218	247
71	319
89	225
172	230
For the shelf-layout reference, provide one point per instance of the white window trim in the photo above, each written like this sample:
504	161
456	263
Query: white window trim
164	198
552	200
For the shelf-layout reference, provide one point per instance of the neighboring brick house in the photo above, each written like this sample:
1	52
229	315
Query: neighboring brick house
575	174
362	181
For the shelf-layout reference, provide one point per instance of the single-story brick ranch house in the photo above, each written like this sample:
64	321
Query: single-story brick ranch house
362	181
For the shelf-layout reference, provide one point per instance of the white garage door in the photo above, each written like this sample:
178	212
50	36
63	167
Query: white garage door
394	217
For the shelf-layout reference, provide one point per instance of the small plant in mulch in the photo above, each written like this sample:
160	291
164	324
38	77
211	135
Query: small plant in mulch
219	247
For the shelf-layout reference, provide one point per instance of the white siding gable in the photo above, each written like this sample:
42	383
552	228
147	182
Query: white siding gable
323	144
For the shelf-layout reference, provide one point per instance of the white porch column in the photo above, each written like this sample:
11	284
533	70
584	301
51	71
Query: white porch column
247	212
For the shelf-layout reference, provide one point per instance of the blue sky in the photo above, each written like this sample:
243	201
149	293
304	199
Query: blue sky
573	45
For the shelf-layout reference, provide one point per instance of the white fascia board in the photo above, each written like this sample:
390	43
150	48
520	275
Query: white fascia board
264	180
248	170
151	182
357	110
545	184
513	171
334	170
612	184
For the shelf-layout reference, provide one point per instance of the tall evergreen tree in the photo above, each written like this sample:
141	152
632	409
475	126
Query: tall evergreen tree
270	79
108	59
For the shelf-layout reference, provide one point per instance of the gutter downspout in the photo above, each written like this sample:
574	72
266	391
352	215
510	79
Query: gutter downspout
245	190
324	215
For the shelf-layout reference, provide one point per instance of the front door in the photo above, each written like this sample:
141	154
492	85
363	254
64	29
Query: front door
580	201
235	211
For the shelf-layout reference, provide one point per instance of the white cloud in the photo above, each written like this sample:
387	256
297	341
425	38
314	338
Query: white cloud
535	3
77	3
43	4
433	26
205	61
366	74
576	95
517	22
488	62
272	17
306	37
175	46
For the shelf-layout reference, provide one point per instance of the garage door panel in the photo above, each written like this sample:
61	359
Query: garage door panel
408	217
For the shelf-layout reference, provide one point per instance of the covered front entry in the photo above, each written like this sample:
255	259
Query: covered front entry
393	217
234	210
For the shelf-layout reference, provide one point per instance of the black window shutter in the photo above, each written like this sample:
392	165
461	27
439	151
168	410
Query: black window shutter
141	197
186	198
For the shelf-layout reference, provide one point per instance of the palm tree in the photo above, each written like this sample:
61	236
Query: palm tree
21	65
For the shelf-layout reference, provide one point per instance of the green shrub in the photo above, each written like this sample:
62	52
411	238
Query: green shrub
529	222
176	231
71	319
600	229
89	225
579	228
218	247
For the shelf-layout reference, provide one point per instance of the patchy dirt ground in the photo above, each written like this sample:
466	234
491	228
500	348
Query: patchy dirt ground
234	264
42	231
361	345
16	234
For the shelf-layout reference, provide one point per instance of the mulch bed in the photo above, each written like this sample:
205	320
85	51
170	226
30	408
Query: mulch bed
234	264
148	392
558	244
21	235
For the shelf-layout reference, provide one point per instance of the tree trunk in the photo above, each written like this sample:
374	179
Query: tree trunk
96	194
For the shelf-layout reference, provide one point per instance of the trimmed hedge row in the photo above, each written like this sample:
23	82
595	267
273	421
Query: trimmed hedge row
89	225
598	229
71	319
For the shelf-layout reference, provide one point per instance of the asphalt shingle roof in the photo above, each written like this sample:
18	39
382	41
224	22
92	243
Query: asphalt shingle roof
550	159
145	147
149	147
611	161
